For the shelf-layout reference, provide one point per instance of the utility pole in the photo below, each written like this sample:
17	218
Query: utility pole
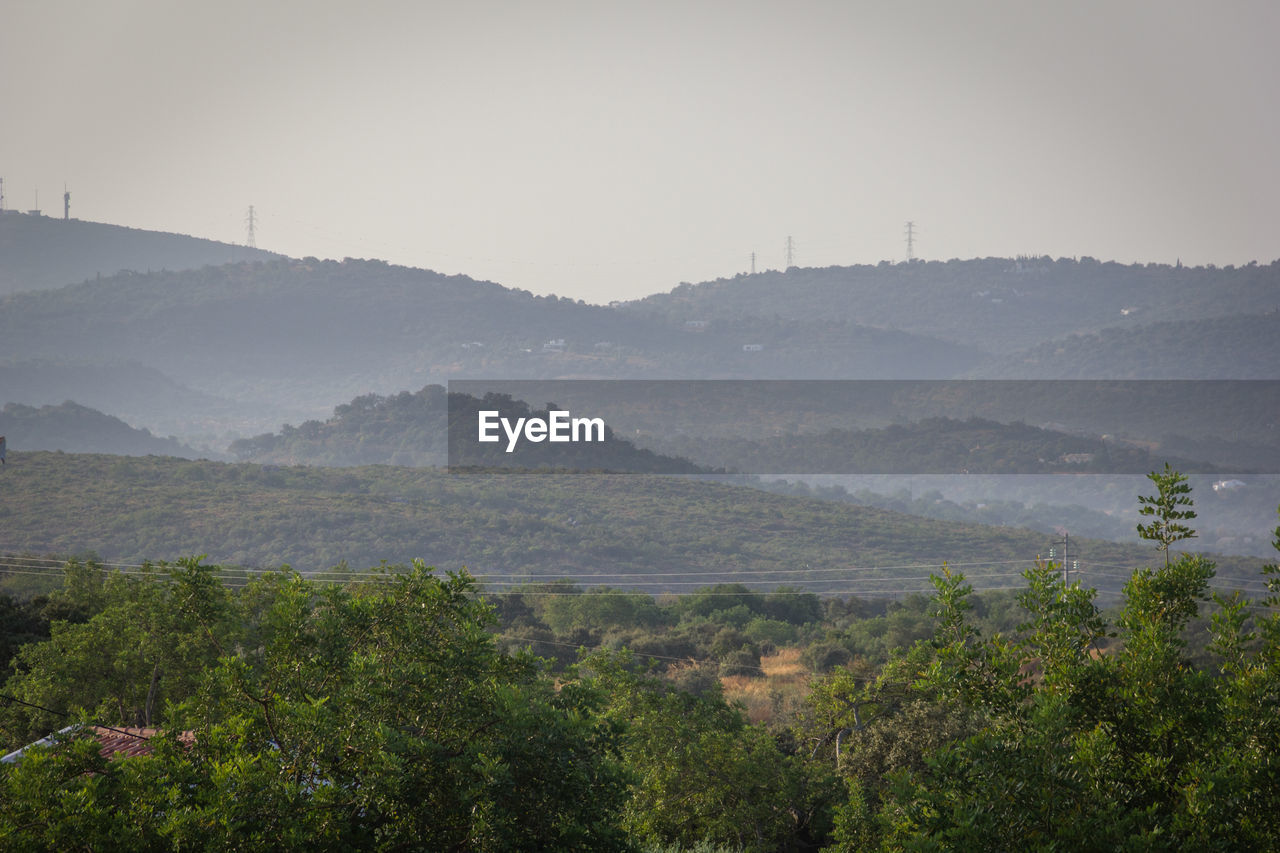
791	253
1066	553
1	194
911	242
1066	558
250	241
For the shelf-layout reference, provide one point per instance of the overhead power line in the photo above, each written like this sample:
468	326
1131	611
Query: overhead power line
839	580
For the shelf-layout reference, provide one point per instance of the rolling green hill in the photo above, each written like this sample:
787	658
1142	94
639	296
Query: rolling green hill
628	530
1093	500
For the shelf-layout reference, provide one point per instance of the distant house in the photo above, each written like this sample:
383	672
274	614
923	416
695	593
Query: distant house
1053	426
1228	485
696	325
752	347
554	345
1076	458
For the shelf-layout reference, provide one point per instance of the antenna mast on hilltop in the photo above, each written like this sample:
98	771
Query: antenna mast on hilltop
791	253
66	204
911	242
753	257
250	240
1	193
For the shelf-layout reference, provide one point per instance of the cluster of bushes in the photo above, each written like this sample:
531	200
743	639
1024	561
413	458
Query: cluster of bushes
723	628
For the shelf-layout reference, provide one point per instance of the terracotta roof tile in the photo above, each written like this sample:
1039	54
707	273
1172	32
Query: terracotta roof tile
127	742
112	742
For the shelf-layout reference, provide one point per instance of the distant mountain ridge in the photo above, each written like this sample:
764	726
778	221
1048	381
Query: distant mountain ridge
73	428
305	333
214	351
997	304
41	252
1237	346
399	429
414	430
935	445
133	392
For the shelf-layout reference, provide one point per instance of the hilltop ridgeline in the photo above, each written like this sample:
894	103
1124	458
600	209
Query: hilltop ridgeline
42	252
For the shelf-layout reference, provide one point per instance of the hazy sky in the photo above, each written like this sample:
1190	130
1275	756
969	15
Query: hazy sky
607	150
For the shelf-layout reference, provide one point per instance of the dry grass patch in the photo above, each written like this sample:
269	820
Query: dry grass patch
784	685
785	665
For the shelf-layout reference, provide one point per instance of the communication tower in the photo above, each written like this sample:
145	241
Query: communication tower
250	240
911	242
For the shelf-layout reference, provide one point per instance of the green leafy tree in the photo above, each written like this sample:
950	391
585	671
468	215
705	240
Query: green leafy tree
1167	510
21	622
147	642
1065	629
1079	746
701	773
72	798
374	716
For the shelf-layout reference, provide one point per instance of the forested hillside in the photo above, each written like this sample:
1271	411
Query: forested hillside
1000	305
307	333
239	348
432	428
398	429
138	394
1244	346
845	427
410	429
735	433
78	429
655	533
41	252
928	446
